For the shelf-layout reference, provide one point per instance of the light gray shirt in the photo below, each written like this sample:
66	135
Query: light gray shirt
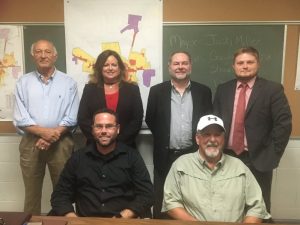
181	118
227	194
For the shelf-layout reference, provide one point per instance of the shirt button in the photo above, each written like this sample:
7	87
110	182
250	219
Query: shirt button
102	204
103	190
103	176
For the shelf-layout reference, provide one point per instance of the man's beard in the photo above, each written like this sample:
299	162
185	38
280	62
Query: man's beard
106	144
212	153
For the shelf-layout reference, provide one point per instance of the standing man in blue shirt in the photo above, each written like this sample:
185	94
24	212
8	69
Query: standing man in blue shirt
46	105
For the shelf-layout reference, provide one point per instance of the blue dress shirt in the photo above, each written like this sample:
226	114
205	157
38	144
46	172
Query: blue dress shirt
51	104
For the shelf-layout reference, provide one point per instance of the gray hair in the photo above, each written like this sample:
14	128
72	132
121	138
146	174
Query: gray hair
33	46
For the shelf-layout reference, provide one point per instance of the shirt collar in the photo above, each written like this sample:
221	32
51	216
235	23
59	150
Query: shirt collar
188	86
219	163
250	83
92	150
40	76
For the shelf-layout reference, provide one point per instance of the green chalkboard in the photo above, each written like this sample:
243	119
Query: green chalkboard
212	48
53	33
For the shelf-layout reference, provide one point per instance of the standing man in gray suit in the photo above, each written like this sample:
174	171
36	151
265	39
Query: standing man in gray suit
267	120
173	111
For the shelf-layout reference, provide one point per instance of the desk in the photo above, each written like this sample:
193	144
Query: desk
14	218
57	220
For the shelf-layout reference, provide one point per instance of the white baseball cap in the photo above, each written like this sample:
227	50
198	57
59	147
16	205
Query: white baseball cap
209	120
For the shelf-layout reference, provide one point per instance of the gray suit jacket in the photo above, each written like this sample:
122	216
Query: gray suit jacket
268	120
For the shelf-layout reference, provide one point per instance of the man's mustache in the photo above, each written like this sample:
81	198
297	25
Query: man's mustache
212	145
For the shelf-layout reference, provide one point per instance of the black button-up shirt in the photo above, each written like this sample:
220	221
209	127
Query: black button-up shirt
103	185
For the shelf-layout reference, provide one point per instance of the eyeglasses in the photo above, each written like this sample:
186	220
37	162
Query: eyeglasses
2	221
106	126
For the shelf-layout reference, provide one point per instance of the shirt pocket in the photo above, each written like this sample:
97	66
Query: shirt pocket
230	193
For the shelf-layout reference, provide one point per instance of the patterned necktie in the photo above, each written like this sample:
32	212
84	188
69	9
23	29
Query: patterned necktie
239	126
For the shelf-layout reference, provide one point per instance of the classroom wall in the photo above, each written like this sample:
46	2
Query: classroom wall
173	10
202	11
286	183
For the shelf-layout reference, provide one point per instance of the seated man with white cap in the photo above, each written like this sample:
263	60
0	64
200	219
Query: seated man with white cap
208	185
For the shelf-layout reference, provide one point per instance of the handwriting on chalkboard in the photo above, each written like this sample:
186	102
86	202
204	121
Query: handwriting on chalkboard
218	61
212	48
213	40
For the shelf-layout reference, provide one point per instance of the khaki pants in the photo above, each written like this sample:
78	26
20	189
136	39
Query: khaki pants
33	164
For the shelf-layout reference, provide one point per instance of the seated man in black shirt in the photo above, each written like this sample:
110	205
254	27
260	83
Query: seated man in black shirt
104	179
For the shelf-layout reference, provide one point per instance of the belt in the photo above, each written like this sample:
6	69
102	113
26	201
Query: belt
181	151
232	153
173	154
176	151
244	156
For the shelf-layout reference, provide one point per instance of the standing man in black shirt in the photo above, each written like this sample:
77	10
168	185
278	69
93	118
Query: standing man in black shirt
104	179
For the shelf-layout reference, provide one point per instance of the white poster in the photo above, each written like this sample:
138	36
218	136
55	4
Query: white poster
11	67
133	28
297	82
